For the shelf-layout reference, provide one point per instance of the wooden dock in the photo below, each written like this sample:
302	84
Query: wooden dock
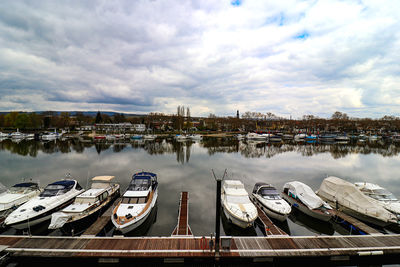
182	228
269	227
345	249
359	225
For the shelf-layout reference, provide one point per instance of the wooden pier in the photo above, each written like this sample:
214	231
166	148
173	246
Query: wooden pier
339	249
339	215
101	222
182	228
269	227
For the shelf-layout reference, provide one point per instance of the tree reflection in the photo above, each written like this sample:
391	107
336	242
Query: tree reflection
248	149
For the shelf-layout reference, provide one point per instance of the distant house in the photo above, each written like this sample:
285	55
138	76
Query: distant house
86	128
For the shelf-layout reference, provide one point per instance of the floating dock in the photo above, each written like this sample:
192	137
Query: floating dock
269	227
339	249
359	226
182	228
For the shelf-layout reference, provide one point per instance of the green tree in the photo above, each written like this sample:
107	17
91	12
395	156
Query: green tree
22	121
9	119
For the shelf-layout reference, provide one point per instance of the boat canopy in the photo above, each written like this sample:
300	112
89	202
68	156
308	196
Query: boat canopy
305	194
347	194
267	191
29	184
57	188
104	178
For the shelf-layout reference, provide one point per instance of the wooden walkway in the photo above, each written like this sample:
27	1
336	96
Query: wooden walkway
269	226
339	215
182	228
194	247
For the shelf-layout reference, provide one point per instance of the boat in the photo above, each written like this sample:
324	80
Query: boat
181	137
136	137
300	137
380	195
15	196
348	198
275	138
270	201
50	136
287	137
4	135
302	197
342	138
255	136
311	138
54	197
236	204
136	203
17	135
87	206
327	137
396	138
195	137
99	137
149	137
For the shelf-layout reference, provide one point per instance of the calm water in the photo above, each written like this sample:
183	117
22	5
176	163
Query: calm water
187	167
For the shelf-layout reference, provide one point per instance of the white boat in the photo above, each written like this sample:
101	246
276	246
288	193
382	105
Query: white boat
181	137
342	138
4	135
239	137
17	195
87	206
195	137
236	204
255	136
136	203
380	195
347	197
270	201
55	197
17	135
50	136
300	136
149	137
302	197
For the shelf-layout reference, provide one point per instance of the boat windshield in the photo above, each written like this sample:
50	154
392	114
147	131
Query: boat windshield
134	200
238	199
139	184
382	195
270	194
54	190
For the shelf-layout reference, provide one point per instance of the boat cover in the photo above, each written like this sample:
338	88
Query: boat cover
305	194
58	219
348	195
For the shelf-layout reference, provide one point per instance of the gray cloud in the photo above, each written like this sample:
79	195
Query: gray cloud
214	57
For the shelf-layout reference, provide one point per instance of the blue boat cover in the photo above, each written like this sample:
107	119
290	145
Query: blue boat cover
25	185
65	183
144	175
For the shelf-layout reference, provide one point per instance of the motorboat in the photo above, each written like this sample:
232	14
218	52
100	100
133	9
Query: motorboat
270	201
87	206
181	137
4	135
54	197
327	137
136	137
342	138
300	137
149	136
50	136
195	137
136	203
239	136
275	138
380	195
15	196
255	136
302	197
348	198
287	137
99	137
17	135
236	204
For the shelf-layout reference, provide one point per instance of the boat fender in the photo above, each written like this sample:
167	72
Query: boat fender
203	243
295	205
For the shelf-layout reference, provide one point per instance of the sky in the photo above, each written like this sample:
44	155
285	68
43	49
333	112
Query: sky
291	57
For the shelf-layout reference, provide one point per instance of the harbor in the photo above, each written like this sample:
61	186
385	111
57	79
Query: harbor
180	229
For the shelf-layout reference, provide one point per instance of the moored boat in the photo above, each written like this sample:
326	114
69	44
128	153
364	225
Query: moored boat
15	196
55	197
347	197
87	206
302	197
270	201
195	137
380	195
236	204
256	136
136	203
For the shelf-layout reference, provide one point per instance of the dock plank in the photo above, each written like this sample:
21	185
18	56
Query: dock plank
269	227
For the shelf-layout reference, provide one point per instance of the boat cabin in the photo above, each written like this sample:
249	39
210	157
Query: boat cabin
23	187
266	191
376	192
59	188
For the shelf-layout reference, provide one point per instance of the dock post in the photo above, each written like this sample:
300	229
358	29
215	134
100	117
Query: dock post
217	211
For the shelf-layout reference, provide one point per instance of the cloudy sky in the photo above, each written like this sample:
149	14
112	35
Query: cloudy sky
286	57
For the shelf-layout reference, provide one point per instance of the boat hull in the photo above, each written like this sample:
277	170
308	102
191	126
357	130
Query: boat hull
129	227
270	212
300	206
234	220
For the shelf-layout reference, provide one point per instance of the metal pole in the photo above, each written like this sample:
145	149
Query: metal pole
217	216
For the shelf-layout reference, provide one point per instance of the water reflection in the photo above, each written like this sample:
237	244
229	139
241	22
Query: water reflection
248	149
